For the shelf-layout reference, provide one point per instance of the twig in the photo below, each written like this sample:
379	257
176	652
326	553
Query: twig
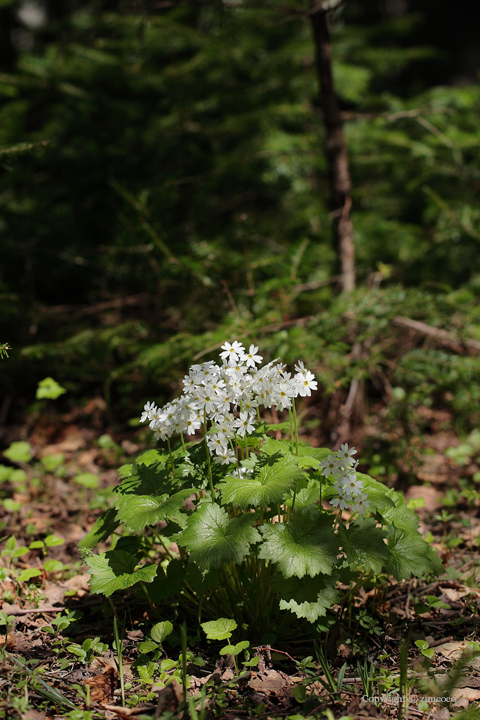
78	312
442	336
29	611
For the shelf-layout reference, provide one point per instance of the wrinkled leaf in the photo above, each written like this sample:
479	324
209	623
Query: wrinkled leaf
115	570
363	544
306	546
272	479
138	512
212	538
410	555
220	629
307	597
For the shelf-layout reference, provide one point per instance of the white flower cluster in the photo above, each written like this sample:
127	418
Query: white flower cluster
228	396
349	487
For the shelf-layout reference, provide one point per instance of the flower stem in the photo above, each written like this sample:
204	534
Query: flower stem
209	466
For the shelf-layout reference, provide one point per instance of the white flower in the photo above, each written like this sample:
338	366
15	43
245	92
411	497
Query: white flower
306	383
330	466
192	424
251	356
148	408
217	443
208	399
244	424
232	352
345	454
300	368
352	485
339	502
226	458
361	504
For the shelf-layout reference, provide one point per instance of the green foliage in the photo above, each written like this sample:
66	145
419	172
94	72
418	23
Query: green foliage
186	137
244	545
19	452
49	389
117	570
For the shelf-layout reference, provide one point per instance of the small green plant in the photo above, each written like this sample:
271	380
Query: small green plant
424	648
4	348
87	650
49	389
255	537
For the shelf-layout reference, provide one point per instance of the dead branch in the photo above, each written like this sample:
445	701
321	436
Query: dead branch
444	337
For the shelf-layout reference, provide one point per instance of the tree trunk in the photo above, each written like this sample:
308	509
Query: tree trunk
335	149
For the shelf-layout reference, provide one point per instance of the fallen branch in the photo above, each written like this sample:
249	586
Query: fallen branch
444	337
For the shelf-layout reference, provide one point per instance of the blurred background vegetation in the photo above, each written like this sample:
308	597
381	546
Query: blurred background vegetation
164	187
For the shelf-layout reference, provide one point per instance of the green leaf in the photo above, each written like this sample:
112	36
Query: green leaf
19	452
49	389
53	566
146	479
306	496
54	541
161	630
138	512
11	505
310	457
5	473
220	629
307	597
147	646
306	546
213	539
87	480
18	476
104	527
115	570
378	494
410	555
50	462
400	515
28	573
363	544
273	478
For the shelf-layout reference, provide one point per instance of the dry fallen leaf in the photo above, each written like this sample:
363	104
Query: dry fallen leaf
466	693
451	650
102	686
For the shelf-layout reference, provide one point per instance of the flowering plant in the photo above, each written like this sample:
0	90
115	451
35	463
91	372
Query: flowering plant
240	524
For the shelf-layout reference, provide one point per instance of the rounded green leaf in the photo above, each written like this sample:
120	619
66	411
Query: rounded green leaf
49	389
161	630
5	473
87	480
53	541
19	452
50	462
220	629
53	566
28	574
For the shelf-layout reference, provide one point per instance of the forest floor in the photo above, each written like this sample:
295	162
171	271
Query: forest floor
59	658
